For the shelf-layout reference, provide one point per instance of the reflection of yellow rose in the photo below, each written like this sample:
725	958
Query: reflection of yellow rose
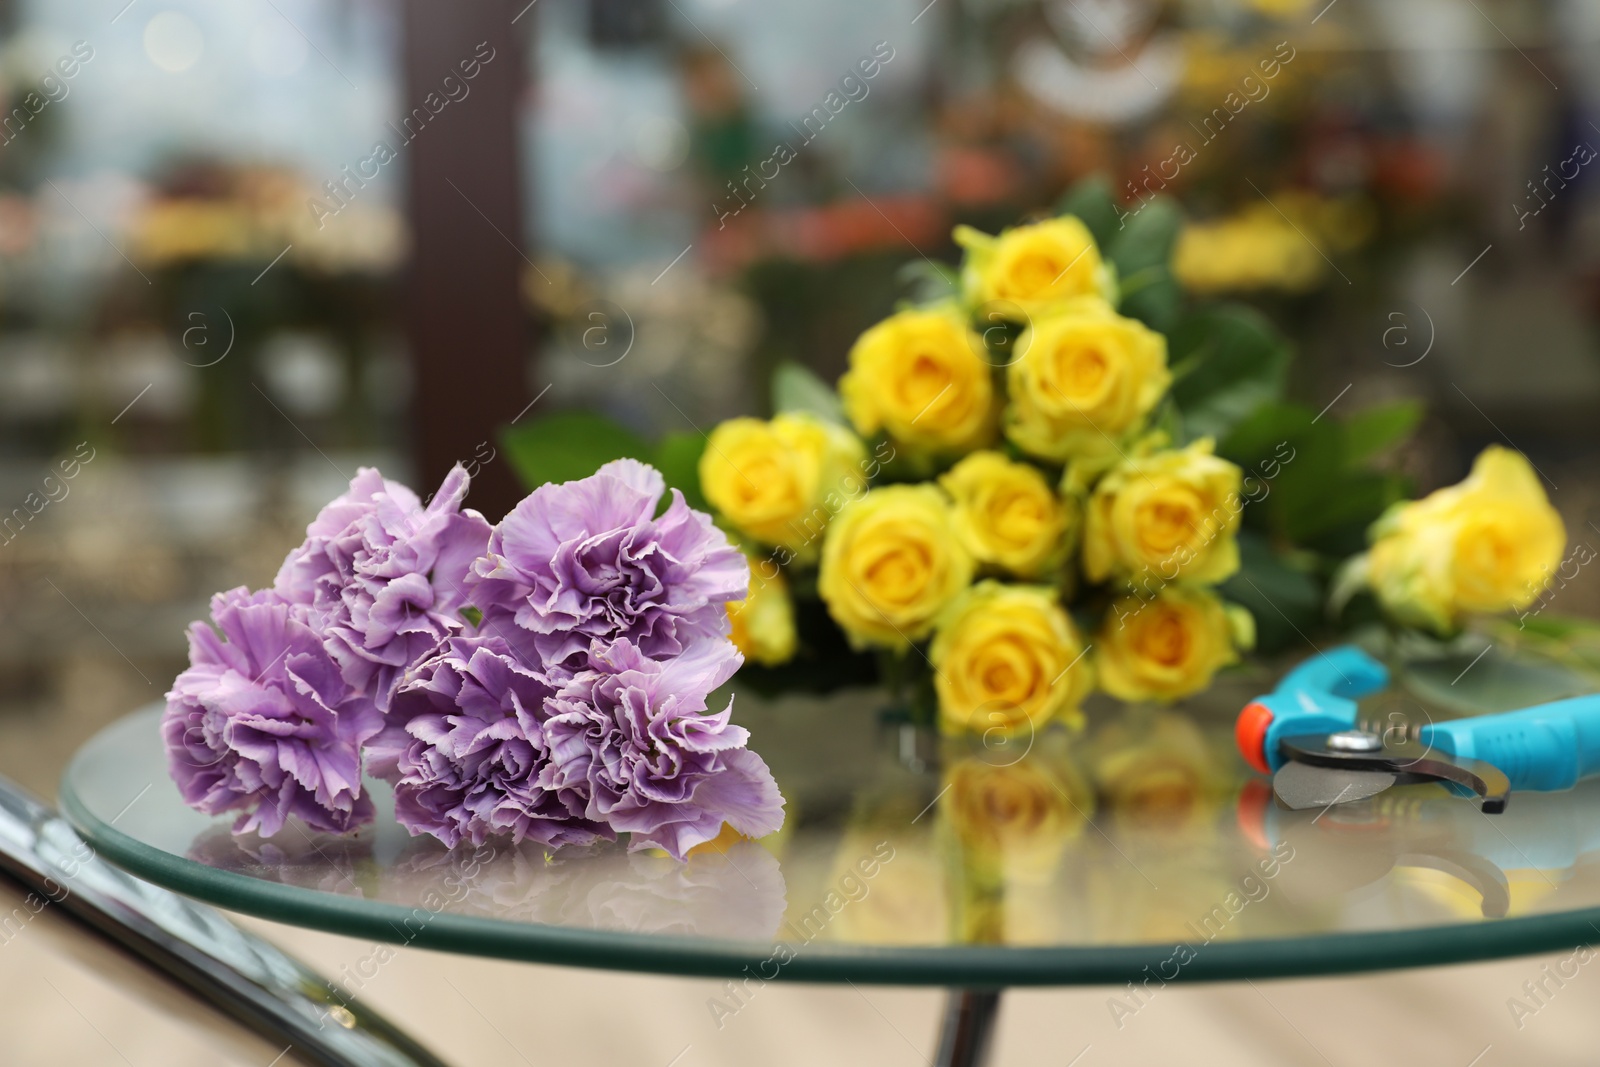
1013	818
1156	773
771	480
890	563
1169	645
1007	658
1281	9
763	622
1033	267
1168	515
920	376
1007	514
903	870
1488	544
1086	377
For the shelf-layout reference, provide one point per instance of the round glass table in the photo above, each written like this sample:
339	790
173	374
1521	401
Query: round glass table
1138	850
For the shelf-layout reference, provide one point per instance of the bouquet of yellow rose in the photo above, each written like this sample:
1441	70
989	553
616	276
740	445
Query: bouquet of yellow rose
1049	473
992	488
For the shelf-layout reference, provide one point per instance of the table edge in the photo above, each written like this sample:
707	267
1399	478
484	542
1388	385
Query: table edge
969	966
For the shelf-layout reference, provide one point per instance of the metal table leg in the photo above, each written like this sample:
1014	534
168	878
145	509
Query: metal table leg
49	875
967	1031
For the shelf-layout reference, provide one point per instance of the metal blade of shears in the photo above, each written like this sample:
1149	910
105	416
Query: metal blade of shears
1301	785
1408	762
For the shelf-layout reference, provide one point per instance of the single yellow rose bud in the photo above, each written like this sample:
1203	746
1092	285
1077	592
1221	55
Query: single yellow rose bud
1007	660
1169	645
1164	516
1008	515
763	622
1083	380
1488	544
921	376
1033	267
780	482
890	563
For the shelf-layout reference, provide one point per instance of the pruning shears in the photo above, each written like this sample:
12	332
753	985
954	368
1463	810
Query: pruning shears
1307	735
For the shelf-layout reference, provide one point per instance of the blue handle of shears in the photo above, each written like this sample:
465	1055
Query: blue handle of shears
1549	746
1317	697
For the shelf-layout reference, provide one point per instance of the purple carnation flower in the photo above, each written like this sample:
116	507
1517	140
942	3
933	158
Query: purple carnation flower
263	722
386	576
589	559
632	735
467	753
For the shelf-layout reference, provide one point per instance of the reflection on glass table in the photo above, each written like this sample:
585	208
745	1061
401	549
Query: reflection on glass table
1140	850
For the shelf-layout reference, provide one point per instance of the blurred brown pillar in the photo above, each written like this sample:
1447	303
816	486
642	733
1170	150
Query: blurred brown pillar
465	324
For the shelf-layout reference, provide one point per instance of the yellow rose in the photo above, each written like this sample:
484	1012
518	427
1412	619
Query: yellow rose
1085	378
1254	250
773	480
1007	659
1033	267
1007	514
763	622
890	563
1164	516
921	376
1488	544
1169	645
182	230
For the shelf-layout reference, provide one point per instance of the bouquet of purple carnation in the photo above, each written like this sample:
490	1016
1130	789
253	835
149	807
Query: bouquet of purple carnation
546	679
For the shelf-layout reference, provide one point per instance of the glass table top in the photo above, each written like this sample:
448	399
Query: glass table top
1141	848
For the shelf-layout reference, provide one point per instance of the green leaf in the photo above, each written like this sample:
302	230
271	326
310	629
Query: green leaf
1093	201
1286	602
1333	517
1316	495
678	460
1572	642
1219	410
1350	580
928	282
1561	628
1254	438
1380	427
1153	296
1235	361
1146	237
568	445
1142	254
797	388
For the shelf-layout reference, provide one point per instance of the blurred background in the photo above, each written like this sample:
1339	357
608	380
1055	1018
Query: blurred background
247	248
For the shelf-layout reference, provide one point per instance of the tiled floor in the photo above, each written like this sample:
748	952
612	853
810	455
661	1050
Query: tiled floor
478	1012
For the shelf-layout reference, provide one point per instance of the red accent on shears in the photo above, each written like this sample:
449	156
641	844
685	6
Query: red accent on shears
1251	812
1250	733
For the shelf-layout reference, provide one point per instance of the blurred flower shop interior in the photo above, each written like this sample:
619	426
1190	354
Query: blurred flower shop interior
248	249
